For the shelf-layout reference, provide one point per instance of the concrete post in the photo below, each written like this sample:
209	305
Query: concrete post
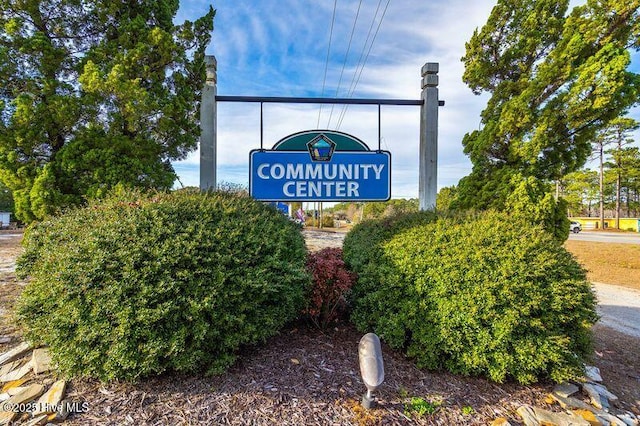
428	173
208	127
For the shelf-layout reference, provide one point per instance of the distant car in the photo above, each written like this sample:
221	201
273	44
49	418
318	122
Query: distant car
575	227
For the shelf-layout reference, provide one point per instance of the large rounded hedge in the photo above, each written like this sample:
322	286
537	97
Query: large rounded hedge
140	284
481	295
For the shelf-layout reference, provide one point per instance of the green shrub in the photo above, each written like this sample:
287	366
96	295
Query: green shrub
363	252
331	282
533	202
140	284
363	244
482	295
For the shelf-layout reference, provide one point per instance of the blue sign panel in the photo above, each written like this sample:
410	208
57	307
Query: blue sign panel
294	176
283	207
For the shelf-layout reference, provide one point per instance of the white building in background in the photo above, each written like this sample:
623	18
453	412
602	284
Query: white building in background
5	219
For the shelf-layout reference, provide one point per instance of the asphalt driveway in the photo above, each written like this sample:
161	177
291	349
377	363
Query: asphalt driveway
619	308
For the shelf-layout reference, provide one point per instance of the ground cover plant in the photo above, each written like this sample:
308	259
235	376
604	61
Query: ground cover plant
140	284
484	294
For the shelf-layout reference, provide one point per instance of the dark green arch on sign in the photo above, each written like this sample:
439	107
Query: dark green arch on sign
298	141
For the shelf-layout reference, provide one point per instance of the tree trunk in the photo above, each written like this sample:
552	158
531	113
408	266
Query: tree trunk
618	200
618	178
602	186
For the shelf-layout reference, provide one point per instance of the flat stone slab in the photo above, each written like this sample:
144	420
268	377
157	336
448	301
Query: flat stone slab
7	368
602	390
546	417
565	389
592	373
40	420
41	360
588	416
17	374
12	384
572	403
598	400
50	400
29	393
629	419
528	416
14	353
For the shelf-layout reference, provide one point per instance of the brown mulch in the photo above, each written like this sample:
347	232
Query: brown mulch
617	355
304	376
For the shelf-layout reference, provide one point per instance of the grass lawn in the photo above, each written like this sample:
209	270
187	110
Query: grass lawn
608	263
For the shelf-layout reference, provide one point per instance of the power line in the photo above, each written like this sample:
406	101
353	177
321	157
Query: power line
359	63
364	63
344	63
326	65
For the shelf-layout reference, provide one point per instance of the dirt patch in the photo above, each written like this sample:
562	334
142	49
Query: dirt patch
10	287
608	262
304	376
318	239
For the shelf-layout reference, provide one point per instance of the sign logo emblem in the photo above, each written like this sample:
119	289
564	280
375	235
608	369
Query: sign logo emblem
321	148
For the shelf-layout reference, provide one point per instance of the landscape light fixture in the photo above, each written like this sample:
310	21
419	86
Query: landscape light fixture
371	367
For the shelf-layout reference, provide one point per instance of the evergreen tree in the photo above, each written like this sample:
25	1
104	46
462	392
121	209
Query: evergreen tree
6	199
554	79
95	94
619	133
580	189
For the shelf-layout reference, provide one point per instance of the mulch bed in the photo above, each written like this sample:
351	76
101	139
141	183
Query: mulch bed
303	376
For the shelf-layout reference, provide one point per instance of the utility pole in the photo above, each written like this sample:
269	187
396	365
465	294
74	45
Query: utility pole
208	123
428	172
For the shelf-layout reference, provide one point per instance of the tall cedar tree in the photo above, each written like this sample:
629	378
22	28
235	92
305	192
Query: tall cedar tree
554	79
95	94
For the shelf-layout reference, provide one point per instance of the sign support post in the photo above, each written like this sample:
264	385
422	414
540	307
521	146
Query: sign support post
428	172
208	123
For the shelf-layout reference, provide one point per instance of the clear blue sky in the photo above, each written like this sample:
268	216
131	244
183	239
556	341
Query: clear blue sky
279	48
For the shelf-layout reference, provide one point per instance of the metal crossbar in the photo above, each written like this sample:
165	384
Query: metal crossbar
341	101
344	101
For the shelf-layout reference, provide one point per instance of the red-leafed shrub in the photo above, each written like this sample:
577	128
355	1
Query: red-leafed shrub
331	283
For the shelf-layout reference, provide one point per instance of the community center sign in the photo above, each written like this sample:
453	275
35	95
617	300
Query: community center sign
320	165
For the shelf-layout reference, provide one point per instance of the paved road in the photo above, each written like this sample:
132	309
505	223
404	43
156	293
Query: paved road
606	237
619	308
9	236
